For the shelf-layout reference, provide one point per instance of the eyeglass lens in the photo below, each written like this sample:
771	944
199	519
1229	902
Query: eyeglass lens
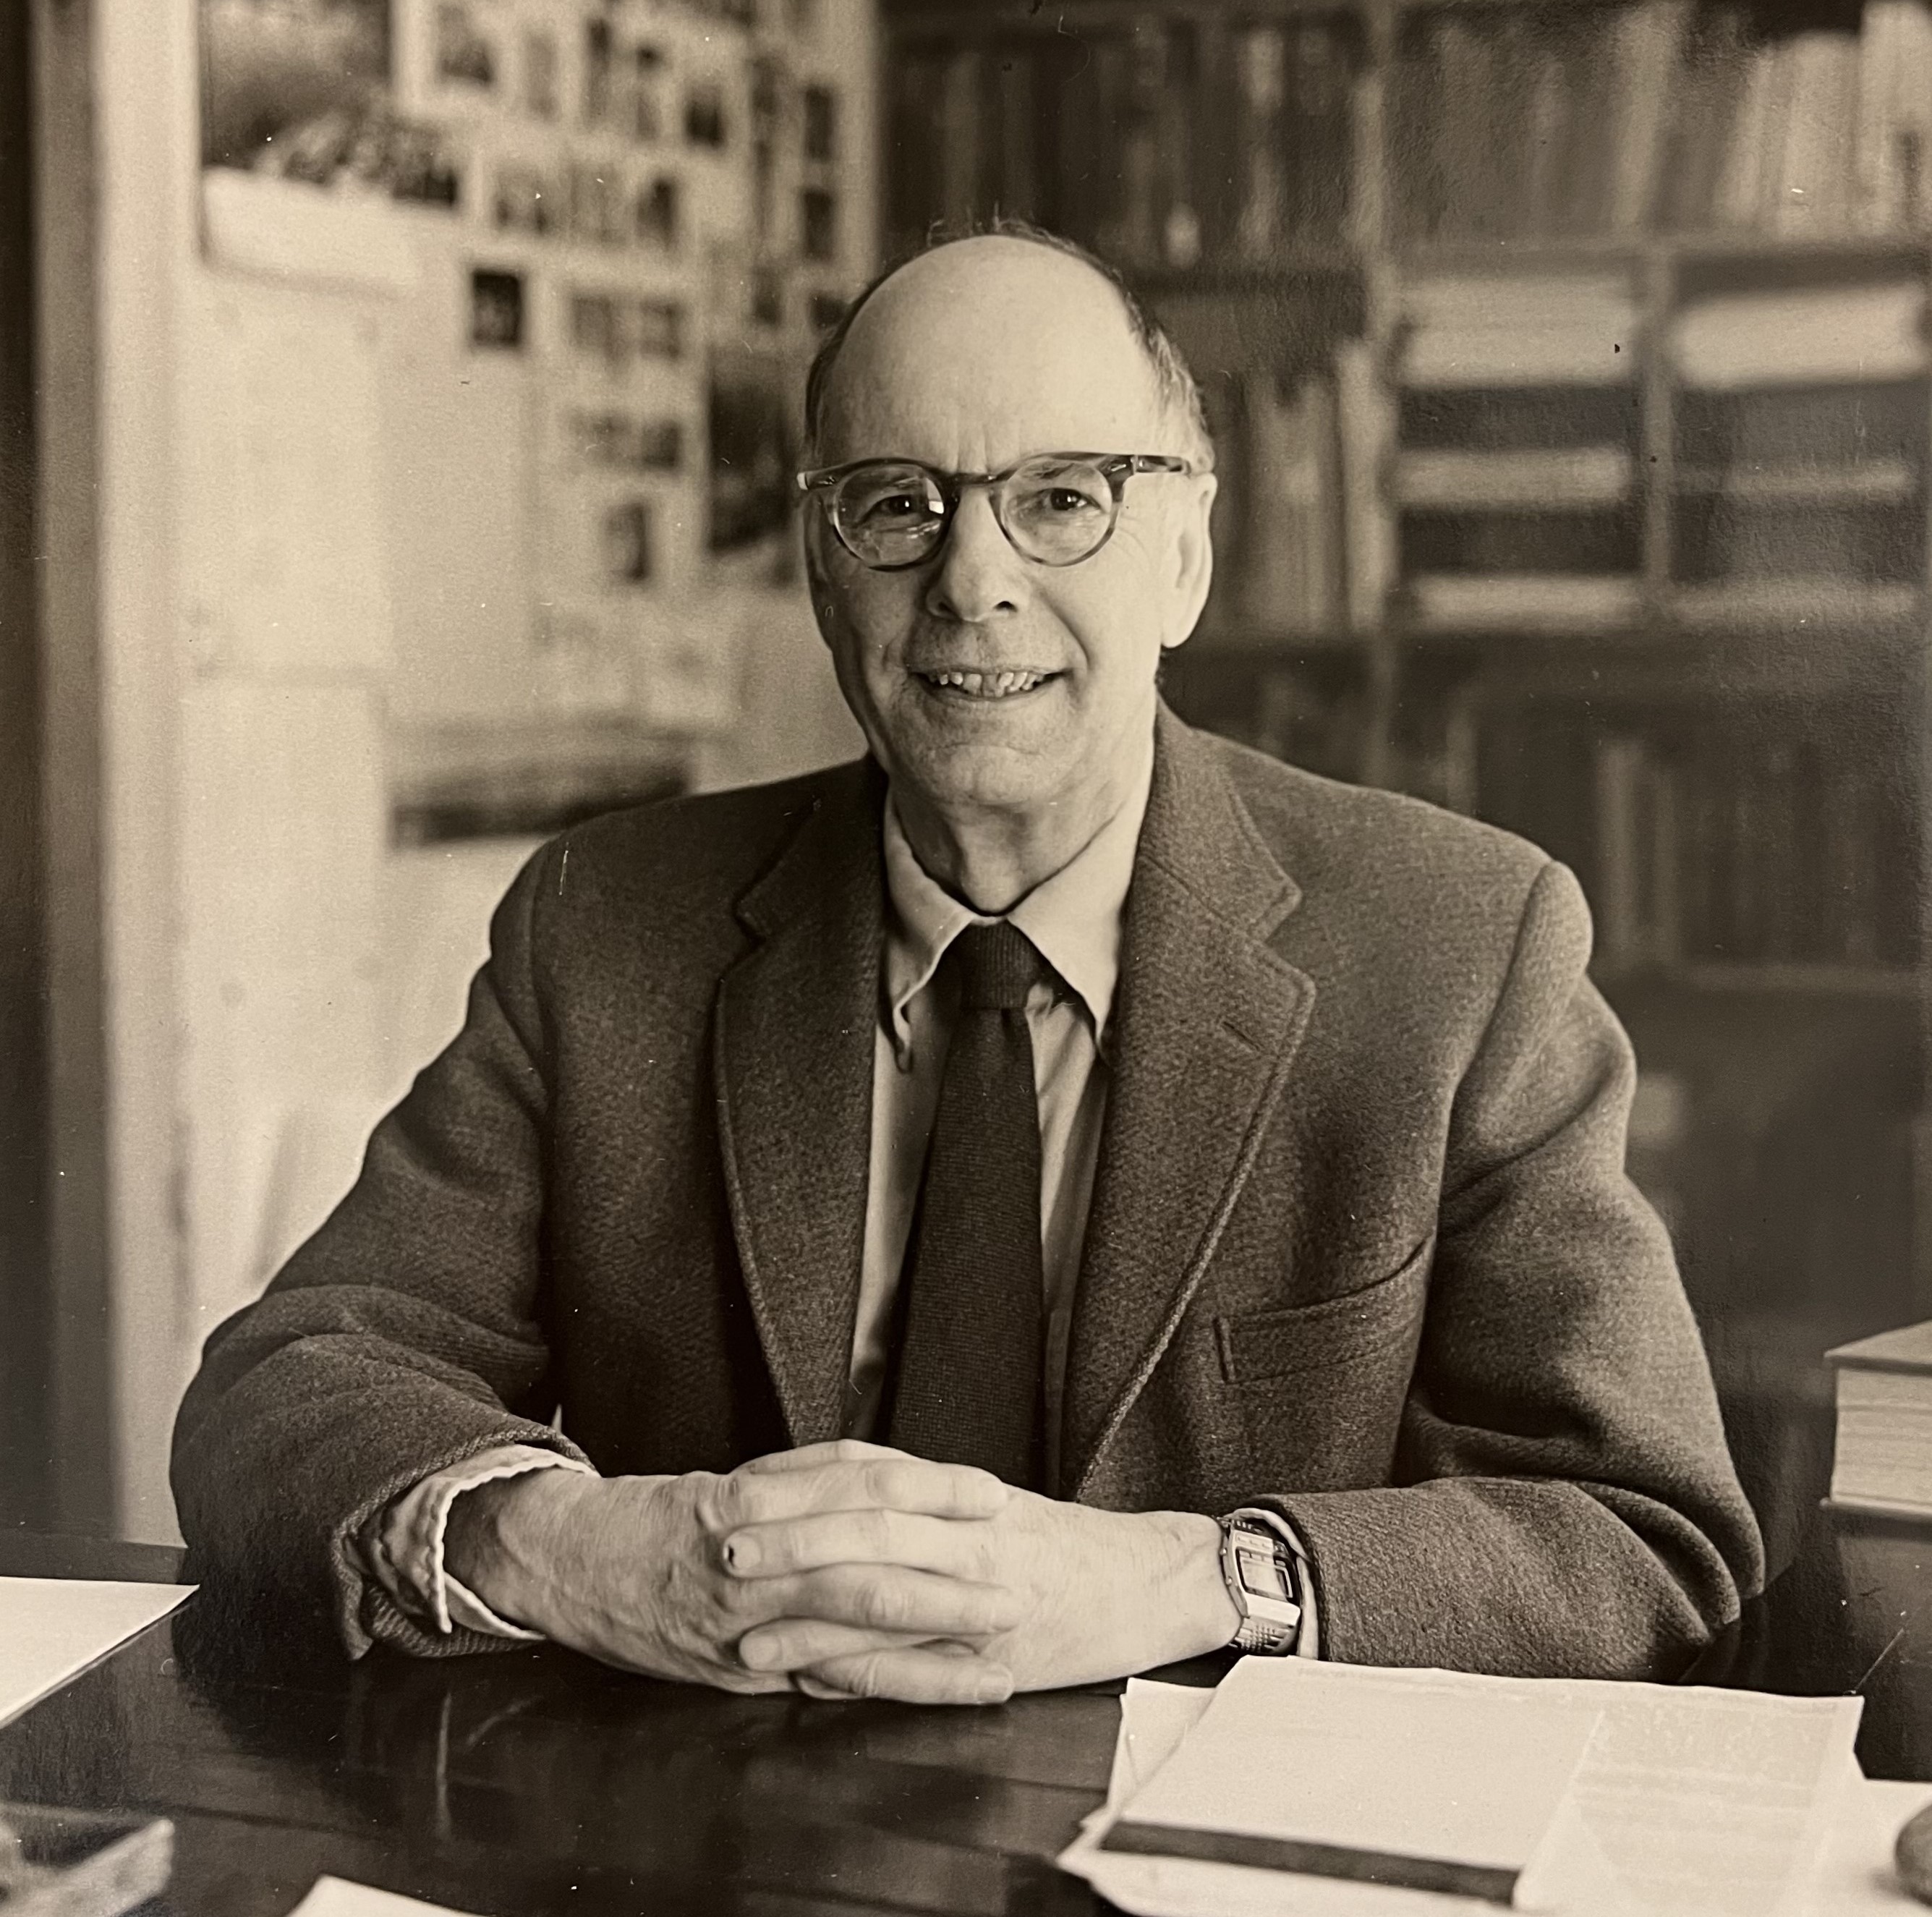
893	513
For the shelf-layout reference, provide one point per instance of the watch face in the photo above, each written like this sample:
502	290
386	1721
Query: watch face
1260	1576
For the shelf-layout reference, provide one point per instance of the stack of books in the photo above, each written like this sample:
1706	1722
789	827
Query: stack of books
1883	1462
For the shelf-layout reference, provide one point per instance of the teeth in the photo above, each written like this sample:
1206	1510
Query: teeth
988	684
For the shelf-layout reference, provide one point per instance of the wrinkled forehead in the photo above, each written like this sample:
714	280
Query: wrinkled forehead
973	361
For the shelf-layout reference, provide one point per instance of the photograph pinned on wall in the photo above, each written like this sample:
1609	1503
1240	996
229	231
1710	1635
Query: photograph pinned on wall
754	452
620	329
706	121
821	124
629	544
818	224
525	200
581	669
541	94
300	90
466	55
495	308
607	440
657	217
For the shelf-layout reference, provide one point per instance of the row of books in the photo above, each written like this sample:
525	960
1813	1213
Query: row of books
1525	122
1745	847
1172	142
1818	132
1522	121
1180	139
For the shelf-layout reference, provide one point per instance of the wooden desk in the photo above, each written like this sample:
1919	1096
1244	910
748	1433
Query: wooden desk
533	1782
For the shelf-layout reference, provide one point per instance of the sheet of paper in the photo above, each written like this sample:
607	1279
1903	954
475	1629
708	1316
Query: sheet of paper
1855	1877
337	1897
1154	1717
52	1627
1470	1775
1711	1802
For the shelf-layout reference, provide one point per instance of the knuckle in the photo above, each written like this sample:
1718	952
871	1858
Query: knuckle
711	1500
865	1676
884	1606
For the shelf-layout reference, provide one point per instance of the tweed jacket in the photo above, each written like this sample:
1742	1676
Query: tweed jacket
1361	1246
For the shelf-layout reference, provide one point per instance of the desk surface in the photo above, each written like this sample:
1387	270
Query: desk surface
532	1782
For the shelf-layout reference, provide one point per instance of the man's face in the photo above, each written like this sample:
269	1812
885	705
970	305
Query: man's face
971	359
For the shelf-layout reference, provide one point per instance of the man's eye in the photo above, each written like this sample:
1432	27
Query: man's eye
902	507
1057	502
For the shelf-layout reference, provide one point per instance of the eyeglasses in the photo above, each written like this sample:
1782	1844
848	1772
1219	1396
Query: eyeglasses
1058	508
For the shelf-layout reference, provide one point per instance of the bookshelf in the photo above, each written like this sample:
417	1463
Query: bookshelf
1568	368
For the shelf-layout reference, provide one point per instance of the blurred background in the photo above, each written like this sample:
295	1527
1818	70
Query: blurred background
398	401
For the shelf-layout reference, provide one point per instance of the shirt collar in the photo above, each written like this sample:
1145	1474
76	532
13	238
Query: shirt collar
1074	918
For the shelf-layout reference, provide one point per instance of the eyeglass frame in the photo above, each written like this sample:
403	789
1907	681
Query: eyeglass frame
1117	469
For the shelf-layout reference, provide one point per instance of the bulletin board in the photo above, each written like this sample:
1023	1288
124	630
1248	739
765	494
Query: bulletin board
597	240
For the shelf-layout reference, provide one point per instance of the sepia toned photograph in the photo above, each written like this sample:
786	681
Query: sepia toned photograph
965	958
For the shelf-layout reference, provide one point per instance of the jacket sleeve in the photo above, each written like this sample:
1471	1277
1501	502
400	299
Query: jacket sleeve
407	1335
1564	1502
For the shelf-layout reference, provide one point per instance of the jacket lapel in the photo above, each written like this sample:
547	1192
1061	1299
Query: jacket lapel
792	1064
1208	1018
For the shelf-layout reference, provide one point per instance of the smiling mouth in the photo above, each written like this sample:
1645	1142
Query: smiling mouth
987	684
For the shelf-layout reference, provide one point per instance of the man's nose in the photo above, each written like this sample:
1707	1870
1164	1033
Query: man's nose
980	576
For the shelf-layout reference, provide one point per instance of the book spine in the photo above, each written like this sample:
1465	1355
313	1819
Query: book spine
1755	187
961	119
1646	55
1178	114
1367	410
1015	189
1618	895
1550	125
1706	101
1139	240
1260	58
1323	80
1463	68
1214	149
1874	208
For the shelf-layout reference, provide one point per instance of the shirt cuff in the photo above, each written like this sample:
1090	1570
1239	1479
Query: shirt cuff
402	1545
1308	1637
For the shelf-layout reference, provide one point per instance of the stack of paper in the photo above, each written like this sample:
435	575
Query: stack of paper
52	1627
1678	1801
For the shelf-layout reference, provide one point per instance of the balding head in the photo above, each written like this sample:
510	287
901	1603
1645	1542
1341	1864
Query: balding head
1022	295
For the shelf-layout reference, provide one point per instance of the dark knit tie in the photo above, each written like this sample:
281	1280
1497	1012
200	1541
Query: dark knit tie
967	1387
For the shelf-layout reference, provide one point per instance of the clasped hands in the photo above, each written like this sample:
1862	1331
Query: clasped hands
844	1570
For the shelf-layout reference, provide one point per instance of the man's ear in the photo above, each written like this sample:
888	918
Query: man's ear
1193	558
811	532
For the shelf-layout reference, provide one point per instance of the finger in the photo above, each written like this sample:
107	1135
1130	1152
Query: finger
792	1644
811	1687
880	1597
831	1450
954	1547
913	1676
890	1481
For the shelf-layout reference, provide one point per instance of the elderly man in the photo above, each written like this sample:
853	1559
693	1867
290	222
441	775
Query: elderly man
1061	1195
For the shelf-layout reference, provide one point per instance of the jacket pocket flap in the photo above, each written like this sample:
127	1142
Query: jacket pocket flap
1273	1344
